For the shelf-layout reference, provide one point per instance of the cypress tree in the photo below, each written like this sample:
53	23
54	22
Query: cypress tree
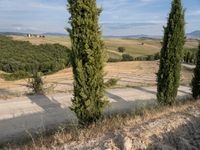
168	76
88	59
196	78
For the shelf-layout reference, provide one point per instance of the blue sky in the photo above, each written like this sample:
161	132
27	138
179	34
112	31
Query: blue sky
119	17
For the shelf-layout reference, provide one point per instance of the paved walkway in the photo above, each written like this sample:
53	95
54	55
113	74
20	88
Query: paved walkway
21	115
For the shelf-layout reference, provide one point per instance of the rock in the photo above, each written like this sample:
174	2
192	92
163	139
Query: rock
127	143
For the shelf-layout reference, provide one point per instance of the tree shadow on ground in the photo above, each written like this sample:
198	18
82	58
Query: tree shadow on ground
5	92
122	106
184	92
185	137
145	90
50	115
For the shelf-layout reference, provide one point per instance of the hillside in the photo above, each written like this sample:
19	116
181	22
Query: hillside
166	128
172	128
134	47
128	74
194	34
18	56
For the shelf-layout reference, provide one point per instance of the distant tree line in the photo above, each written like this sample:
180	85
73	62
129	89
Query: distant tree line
128	57
189	56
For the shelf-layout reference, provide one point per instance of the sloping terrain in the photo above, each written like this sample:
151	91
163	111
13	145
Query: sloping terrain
129	74
176	128
135	47
24	114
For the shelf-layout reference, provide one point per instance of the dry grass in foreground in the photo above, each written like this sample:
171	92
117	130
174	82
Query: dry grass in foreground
176	127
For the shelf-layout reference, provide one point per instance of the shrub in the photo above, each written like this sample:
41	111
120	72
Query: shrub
16	76
150	58
121	49
111	82
127	57
114	60
157	56
36	83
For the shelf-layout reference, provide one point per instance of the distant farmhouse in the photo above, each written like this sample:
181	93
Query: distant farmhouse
35	35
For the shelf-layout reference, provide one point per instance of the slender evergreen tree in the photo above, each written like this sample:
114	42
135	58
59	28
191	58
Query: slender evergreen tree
168	76
196	78
88	59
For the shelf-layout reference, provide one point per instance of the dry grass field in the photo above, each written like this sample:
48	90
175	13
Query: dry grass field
146	128
129	74
133	47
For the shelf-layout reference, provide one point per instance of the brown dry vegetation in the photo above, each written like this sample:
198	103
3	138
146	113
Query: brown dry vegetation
176	127
133	46
129	74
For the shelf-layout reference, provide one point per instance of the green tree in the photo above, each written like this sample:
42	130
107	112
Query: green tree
168	76
121	49
88	60
36	83
196	78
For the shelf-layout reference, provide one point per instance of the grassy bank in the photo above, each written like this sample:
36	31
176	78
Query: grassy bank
72	133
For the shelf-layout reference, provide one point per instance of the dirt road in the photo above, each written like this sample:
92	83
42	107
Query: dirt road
21	115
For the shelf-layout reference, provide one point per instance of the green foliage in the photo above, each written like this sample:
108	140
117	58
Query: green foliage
111	82
121	49
87	59
157	56
196	78
168	76
15	76
114	60
141	58
189	56
36	82
19	56
127	57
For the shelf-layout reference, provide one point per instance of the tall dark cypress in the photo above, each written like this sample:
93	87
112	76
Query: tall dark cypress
88	59
168	76
196	78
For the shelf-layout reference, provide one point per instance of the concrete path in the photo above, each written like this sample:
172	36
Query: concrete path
23	115
189	66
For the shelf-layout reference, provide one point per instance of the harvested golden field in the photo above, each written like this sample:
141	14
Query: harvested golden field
134	47
50	40
137	73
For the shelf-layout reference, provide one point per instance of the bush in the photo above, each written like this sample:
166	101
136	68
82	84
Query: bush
127	57
15	76
141	58
36	83
189	56
114	60
150	58
121	49
111	82
157	56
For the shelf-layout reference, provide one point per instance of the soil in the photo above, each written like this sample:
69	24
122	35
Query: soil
130	74
174	130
